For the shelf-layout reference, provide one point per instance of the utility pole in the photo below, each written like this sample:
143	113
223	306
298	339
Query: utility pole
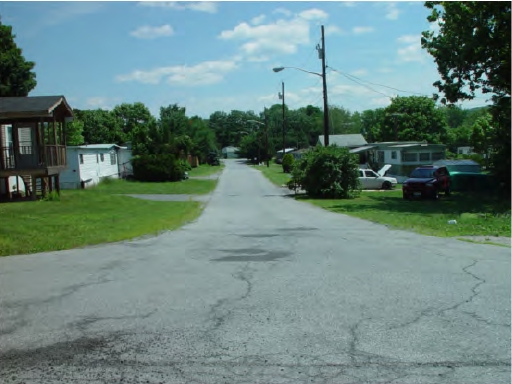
281	96
321	53
395	115
266	138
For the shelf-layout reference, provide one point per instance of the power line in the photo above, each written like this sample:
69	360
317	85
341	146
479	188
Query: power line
355	81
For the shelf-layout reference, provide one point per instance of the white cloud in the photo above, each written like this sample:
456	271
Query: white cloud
360	30
147	32
283	11
207	72
200	6
348	3
313	14
384	70
392	11
100	102
409	39
411	52
333	30
258	20
380	101
359	72
282	37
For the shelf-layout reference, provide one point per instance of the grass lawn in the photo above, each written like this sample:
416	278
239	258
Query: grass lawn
475	215
86	217
274	173
206	170
191	186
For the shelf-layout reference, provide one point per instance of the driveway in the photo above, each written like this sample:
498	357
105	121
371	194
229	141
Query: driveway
260	289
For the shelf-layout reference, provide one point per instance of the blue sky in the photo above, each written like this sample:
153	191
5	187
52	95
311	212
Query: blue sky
210	56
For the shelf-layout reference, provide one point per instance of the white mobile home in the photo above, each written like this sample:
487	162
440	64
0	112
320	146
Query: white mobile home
404	157
88	164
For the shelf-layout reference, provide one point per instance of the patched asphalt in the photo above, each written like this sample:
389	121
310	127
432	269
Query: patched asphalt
259	289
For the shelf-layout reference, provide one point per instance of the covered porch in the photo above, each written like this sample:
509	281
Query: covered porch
33	143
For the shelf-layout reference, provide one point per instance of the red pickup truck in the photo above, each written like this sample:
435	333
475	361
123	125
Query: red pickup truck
427	181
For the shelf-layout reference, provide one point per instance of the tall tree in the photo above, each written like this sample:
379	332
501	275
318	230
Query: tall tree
74	132
472	52
413	118
16	76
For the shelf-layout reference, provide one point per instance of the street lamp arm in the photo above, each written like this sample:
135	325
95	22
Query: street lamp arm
300	69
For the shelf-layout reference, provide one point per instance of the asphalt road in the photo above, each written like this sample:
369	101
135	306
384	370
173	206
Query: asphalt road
261	289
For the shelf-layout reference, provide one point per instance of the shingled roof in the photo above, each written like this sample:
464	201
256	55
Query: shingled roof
32	106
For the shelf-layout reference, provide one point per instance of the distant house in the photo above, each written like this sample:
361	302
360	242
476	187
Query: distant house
229	152
279	154
297	154
347	141
460	165
465	150
88	164
404	157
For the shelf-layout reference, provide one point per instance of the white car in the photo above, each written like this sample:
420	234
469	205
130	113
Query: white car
376	180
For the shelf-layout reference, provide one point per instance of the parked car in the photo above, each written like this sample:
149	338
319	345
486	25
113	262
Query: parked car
376	180
427	182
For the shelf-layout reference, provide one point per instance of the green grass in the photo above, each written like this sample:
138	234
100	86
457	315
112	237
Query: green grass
206	170
86	217
191	186
475	215
274	173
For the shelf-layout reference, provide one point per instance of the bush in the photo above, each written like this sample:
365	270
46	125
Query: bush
327	172
288	161
158	168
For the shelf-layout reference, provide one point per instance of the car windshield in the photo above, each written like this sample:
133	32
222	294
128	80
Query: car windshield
422	173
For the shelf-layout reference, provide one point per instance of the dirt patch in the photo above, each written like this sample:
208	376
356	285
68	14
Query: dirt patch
488	239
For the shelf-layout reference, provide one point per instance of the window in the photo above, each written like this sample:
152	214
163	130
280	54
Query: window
81	157
437	156
370	174
380	157
97	158
425	156
113	158
409	157
393	154
102	157
361	174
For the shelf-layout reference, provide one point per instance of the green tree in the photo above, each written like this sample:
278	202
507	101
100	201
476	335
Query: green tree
372	121
327	172
472	52
413	118
74	132
482	135
16	76
472	49
100	127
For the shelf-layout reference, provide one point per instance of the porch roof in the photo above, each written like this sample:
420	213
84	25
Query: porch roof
32	107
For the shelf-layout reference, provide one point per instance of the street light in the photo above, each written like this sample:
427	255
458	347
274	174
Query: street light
326	107
321	55
266	136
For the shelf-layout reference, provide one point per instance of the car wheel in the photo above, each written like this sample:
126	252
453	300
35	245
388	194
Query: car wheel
435	195
386	185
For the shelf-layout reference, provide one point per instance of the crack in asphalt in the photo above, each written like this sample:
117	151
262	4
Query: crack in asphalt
84	323
474	293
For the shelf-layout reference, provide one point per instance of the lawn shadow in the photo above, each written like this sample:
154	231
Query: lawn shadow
455	204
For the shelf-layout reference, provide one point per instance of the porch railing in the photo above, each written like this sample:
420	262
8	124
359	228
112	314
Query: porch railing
30	157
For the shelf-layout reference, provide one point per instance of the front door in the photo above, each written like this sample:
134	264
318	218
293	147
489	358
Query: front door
26	139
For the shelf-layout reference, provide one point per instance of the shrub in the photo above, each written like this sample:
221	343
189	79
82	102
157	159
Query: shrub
288	161
157	168
327	172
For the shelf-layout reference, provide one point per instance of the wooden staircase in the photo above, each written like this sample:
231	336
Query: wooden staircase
29	188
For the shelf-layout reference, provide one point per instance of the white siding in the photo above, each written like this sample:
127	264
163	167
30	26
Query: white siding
124	162
91	171
70	178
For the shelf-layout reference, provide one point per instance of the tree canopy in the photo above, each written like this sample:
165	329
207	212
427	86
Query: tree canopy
16	76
